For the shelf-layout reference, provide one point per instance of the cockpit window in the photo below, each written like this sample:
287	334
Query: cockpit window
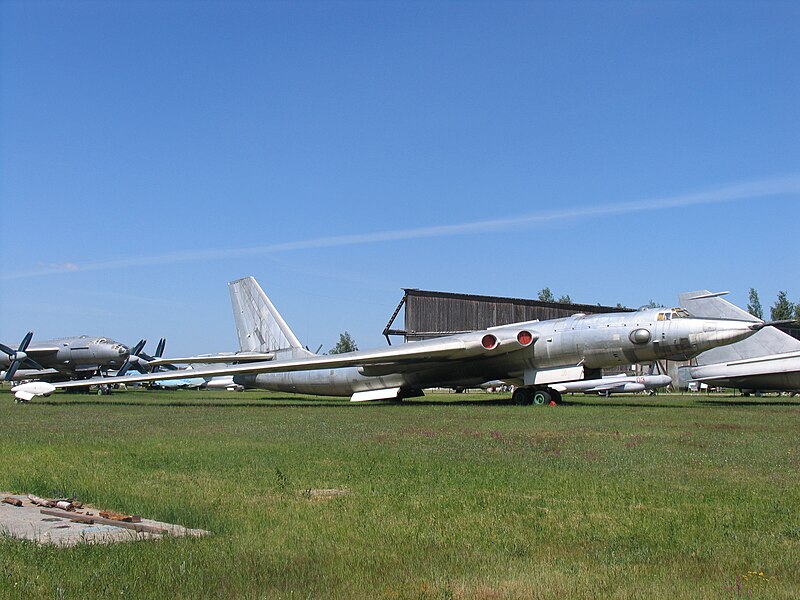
101	340
680	313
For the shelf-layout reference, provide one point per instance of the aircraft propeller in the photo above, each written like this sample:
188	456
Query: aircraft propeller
133	357
159	353
19	357
139	359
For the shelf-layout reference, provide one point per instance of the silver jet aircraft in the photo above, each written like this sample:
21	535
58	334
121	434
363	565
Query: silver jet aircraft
767	361
614	384
533	355
63	358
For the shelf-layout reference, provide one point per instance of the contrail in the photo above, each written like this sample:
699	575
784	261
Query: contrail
739	191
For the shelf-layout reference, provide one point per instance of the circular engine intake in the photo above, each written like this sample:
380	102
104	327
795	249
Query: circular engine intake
525	338
489	341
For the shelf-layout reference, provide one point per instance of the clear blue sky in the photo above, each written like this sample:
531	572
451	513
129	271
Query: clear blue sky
150	152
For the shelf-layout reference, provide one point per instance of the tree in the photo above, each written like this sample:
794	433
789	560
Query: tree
346	344
653	304
545	295
754	305
565	299
782	309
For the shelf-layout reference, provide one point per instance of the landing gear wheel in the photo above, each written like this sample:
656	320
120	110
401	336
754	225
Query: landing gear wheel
556	396
522	396
541	397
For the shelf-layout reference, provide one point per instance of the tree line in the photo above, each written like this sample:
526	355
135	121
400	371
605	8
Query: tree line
783	309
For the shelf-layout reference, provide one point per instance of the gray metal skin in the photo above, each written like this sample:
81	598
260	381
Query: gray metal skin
532	354
69	357
767	361
591	341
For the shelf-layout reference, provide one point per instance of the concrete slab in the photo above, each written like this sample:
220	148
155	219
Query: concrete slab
27	522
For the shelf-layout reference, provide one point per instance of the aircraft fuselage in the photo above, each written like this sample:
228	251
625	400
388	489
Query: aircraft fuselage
564	349
69	356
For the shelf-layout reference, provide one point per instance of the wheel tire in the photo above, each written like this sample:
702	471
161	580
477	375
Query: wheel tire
541	397
522	397
556	396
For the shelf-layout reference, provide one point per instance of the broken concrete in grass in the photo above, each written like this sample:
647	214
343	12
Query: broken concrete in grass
63	528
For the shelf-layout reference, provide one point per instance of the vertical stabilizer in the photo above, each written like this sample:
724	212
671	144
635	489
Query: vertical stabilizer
766	342
259	325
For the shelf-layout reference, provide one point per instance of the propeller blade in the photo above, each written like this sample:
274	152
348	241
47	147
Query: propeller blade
12	370
29	362
25	341
18	357
138	348
124	368
160	348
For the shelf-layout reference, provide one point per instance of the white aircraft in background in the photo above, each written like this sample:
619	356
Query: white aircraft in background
198	383
533	355
767	361
615	384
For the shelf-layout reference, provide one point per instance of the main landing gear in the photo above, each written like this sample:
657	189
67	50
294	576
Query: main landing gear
538	396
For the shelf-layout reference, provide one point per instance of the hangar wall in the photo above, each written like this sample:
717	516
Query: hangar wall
430	314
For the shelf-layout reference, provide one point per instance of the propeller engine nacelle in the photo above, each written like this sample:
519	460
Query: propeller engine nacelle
19	357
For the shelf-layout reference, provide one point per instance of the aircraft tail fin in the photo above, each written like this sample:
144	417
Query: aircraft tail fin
259	325
765	342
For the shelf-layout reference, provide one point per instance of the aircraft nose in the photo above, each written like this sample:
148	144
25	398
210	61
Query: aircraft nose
720	332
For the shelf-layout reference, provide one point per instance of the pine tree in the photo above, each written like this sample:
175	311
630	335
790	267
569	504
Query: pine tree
782	309
754	306
565	299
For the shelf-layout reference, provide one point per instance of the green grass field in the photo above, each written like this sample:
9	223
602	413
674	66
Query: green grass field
448	496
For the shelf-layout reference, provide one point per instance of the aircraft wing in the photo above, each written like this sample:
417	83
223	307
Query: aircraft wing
406	357
213	359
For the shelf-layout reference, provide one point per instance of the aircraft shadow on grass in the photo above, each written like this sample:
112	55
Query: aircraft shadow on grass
309	403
